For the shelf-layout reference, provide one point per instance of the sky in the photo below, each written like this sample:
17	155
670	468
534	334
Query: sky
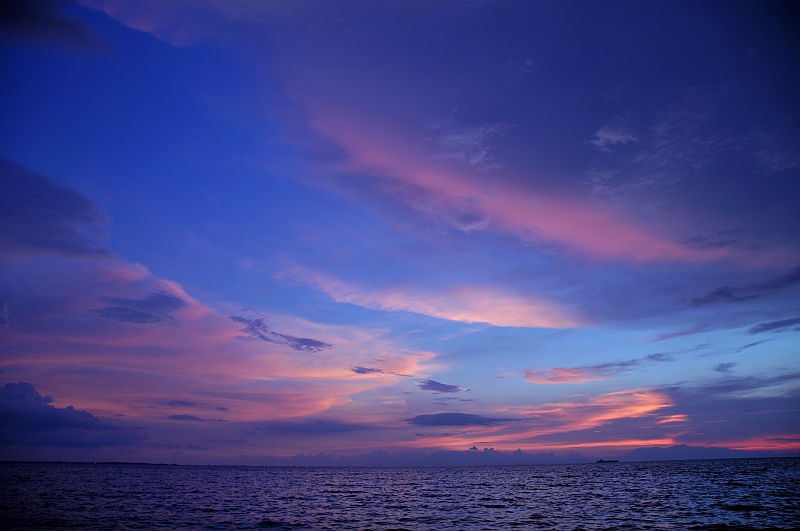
234	229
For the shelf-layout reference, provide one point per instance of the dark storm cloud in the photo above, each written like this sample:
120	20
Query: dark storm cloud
257	329
456	419
750	292
43	21
774	325
28	419
438	387
152	309
40	216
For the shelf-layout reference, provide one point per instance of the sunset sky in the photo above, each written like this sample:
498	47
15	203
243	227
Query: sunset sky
243	228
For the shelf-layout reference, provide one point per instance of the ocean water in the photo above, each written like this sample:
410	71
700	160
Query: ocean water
727	494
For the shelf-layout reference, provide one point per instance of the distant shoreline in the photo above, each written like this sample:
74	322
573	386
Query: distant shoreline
190	465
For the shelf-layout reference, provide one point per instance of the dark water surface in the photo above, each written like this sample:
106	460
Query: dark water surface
729	494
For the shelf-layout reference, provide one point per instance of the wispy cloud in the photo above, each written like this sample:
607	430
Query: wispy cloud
155	308
776	146
574	375
465	304
115	364
614	133
469	144
457	419
127	315
438	387
40	216
777	161
775	325
4	315
725	367
684	139
191	418
257	329
749	292
366	370
387	169
375	370
723	238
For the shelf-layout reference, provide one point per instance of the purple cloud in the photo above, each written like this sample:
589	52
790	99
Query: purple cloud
438	387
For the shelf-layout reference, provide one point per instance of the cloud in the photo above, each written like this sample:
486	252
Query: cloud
358	369
658	356
181	22
43	21
725	367
138	311
366	370
438	387
126	315
778	161
679	145
560	375
4	316
612	134
574	375
464	304
774	325
313	426
41	217
456	419
136	370
750	292
775	146
257	329
753	344
468	144
186	417
380	167
159	302
742	386
28	419
681	140
725	410
723	238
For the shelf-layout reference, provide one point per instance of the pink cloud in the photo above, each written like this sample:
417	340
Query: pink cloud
467	304
565	424
465	202
112	338
565	376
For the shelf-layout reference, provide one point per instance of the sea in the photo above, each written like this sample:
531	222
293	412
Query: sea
734	494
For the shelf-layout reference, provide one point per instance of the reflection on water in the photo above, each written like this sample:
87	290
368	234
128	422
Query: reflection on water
732	494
